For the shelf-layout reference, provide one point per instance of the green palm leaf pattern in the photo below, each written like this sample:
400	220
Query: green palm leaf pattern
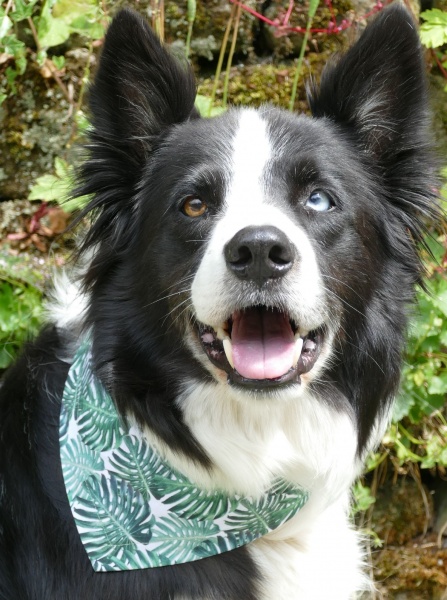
78	464
137	463
131	508
99	424
77	383
266	514
189	501
226	541
111	514
181	540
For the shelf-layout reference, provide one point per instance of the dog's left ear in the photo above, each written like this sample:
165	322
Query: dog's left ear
377	89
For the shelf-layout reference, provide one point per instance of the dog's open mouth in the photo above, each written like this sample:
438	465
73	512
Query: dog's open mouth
261	346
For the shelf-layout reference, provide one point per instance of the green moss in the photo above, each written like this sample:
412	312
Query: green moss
268	83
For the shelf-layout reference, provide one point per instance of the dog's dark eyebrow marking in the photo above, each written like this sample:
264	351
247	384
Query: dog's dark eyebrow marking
295	171
204	174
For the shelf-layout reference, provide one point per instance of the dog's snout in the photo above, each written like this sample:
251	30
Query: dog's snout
259	254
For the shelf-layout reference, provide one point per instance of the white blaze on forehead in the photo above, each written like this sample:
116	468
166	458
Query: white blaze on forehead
251	152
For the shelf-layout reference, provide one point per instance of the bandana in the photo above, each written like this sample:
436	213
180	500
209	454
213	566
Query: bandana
131	508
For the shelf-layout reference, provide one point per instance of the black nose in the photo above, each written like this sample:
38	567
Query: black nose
259	254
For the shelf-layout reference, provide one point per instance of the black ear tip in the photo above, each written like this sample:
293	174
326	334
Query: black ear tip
127	24
127	16
396	15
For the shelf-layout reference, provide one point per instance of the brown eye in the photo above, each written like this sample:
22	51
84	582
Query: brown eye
194	207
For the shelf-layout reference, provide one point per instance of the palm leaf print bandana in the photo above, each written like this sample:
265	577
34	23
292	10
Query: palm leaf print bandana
134	511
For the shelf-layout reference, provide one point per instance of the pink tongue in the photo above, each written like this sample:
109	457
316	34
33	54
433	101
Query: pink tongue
263	343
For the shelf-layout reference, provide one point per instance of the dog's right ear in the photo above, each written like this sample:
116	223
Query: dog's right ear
139	90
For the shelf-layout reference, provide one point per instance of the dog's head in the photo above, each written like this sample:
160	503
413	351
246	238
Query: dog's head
266	251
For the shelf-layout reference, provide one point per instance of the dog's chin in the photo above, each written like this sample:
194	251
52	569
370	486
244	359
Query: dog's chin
260	348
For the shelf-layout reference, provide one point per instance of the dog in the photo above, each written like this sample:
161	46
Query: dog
190	421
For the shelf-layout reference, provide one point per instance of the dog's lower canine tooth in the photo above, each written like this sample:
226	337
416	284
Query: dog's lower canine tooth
298	348
228	350
221	333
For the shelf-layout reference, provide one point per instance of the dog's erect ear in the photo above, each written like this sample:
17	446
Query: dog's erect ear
139	89
139	92
378	87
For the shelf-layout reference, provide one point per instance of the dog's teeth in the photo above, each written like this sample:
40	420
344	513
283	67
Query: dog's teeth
221	333
303	333
298	348
228	350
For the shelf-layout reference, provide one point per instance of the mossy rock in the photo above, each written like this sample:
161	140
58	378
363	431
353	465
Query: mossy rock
254	85
36	125
415	571
402	511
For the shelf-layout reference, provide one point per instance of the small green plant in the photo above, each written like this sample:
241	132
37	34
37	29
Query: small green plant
433	30
313	5
433	34
20	305
192	9
57	187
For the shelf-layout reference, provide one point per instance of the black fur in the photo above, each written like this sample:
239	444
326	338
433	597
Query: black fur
368	143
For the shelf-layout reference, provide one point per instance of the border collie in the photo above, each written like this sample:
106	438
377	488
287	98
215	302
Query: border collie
190	423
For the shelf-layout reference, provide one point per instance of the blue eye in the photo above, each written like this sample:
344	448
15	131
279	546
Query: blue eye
319	201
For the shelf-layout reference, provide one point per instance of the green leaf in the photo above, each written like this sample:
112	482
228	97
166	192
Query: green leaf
49	187
135	462
78	462
51	31
20	317
21	63
363	498
440	301
189	501
268	513
57	187
183	540
69	10
438	384
99	424
13	46
62	168
41	57
313	5
114	515
89	27
23	10
433	32
205	108
59	62
5	26
11	75
66	17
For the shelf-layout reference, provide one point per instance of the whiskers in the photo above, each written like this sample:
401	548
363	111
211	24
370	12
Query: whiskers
184	280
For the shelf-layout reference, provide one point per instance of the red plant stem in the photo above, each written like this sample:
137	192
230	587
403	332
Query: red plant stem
283	27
